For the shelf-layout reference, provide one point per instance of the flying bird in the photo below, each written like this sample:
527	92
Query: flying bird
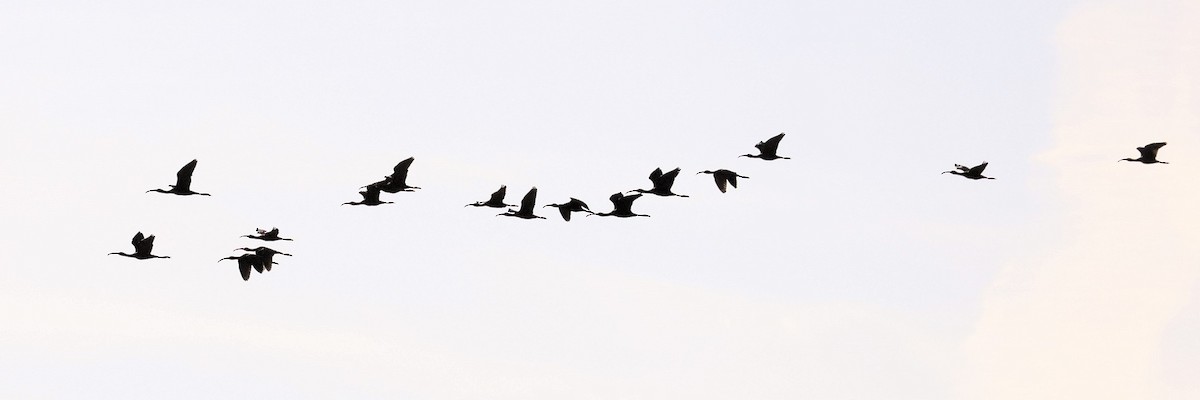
723	176
263	234
245	262
370	198
527	204
496	201
265	255
575	205
662	183
142	245
973	173
1149	154
183	182
396	181
767	149
622	205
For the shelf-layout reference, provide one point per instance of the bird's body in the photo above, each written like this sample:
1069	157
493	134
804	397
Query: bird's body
245	262
622	206
142	246
496	201
370	198
724	177
575	205
1149	154
662	183
767	149
973	173
263	234
183	182
527	207
265	255
396	182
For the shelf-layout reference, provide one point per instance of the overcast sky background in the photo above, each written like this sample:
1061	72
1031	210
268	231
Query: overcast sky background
852	271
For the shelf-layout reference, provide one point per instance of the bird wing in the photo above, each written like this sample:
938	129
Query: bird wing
1151	150
655	175
732	180
183	178
527	202
371	194
720	182
577	204
400	172
145	246
265	257
978	169
616	199
565	212
667	180
769	146
137	239
626	203
244	268
498	196
274	232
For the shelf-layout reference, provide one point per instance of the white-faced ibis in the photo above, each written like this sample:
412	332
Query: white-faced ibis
723	176
396	181
973	173
245	262
622	206
183	182
142	245
265	254
496	201
527	204
575	205
662	183
263	234
370	198
767	149
1149	154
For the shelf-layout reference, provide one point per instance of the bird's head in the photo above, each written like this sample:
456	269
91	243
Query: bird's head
228	258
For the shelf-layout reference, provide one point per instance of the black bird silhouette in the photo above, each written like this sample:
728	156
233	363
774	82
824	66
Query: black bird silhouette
973	173
723	176
370	198
142	245
270	236
527	204
767	149
575	205
1149	154
265	254
622	205
183	182
497	200
245	262
396	181
662	183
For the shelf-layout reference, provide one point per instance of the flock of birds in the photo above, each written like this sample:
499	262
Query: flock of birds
261	258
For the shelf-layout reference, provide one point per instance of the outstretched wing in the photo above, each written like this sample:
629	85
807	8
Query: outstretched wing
244	268
566	212
655	175
667	180
527	202
1150	151
720	182
145	246
626	203
183	178
400	172
498	196
732	180
769	146
616	199
577	204
978	169
137	239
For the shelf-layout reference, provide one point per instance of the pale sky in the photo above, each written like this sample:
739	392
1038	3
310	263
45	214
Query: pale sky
855	270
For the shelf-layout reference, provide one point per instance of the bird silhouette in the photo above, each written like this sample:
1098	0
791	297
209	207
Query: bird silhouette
723	176
245	262
575	205
973	173
662	183
265	254
142	245
1149	154
263	234
527	204
370	198
767	149
396	181
622	206
496	201
183	182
